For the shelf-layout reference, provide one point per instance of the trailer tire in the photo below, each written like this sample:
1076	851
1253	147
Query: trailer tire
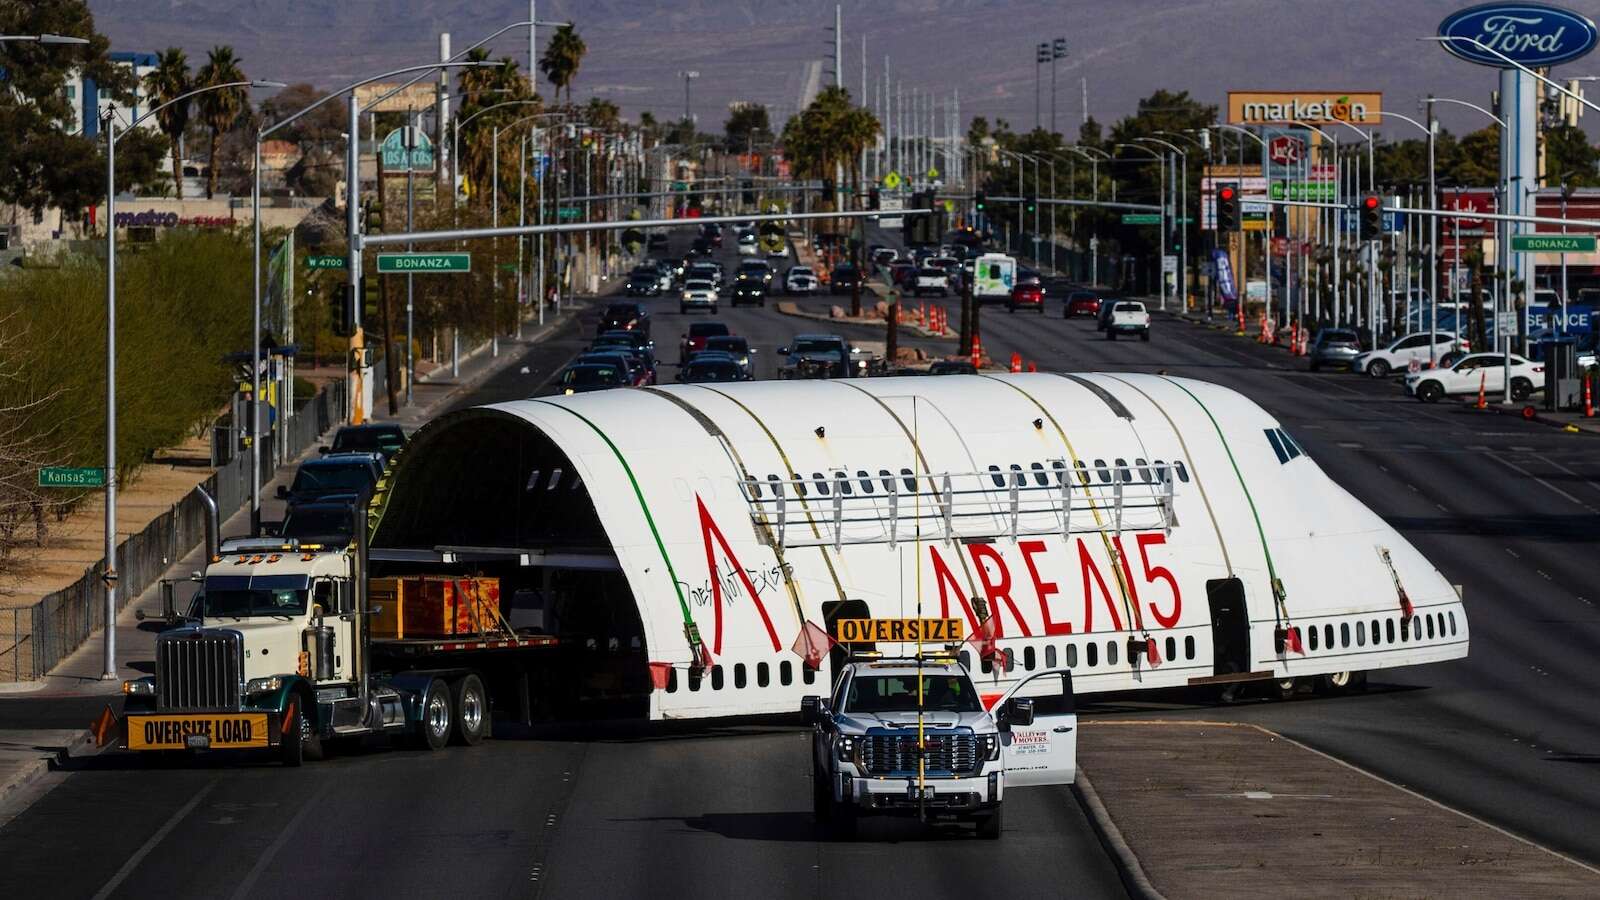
433	726
470	705
1335	683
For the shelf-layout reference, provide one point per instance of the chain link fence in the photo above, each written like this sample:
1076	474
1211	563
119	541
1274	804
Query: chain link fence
38	637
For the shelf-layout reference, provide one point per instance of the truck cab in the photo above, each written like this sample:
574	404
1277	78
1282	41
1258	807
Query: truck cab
884	745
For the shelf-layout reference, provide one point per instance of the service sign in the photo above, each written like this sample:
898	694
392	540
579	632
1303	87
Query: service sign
1531	34
1309	107
872	631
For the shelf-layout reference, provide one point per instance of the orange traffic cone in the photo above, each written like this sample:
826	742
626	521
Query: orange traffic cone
1016	362
1588	398
1032	367
1483	399
977	352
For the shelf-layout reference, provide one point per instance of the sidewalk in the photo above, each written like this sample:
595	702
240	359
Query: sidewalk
1207	809
79	674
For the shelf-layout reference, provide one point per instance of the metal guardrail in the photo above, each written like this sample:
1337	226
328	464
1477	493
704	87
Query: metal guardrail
38	637
894	507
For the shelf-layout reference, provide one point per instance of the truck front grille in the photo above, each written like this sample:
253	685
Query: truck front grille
896	754
198	669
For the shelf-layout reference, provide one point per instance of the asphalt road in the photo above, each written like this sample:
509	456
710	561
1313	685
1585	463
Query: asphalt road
1512	734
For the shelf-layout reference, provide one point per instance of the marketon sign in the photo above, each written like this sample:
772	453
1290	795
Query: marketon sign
1314	107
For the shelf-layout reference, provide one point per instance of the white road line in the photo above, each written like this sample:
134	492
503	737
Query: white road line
1587	481
289	828
1514	554
1516	468
153	841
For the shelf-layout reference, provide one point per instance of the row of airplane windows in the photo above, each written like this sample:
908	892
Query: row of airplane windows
1141	470
1382	631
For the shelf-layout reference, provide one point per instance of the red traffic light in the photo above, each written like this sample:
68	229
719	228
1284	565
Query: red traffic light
1371	201
1226	193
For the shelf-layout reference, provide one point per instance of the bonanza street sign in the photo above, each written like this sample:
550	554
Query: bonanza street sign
1553	243
424	262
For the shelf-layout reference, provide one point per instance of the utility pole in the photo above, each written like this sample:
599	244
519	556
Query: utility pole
1040	57
838	46
1058	50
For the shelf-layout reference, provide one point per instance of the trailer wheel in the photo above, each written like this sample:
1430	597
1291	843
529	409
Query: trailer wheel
471	705
433	731
1335	683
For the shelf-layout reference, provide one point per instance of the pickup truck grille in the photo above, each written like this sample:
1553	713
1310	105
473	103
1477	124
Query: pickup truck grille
198	669
896	754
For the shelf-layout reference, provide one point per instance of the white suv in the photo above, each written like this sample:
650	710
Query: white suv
1398	355
1478	370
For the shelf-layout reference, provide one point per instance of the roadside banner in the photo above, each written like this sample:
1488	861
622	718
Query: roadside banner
1224	266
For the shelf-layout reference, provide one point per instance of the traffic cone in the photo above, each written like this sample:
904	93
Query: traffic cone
1016	362
1483	398
977	352
1588	398
1032	367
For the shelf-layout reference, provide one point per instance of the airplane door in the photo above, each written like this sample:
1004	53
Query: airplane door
1230	626
1046	751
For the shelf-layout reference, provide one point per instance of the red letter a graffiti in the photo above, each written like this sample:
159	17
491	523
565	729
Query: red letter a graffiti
708	530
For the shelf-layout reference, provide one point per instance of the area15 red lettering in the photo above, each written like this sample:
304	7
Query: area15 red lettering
993	581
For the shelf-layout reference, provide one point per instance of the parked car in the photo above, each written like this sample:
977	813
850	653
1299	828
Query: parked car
800	280
698	294
581	378
1026	295
735	347
1128	317
385	439
694	340
1334	347
625	317
1398	355
843	279
337	474
1082	303
643	281
1474	371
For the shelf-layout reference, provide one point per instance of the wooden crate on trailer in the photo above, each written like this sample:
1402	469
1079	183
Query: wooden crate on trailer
425	606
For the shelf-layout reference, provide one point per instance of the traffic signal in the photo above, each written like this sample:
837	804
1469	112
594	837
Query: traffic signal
874	199
1031	207
1228	218
374	224
344	311
1371	212
980	201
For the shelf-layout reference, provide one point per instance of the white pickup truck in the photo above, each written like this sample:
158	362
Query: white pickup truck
1128	317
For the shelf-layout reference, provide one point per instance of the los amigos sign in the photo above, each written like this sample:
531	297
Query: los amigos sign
1531	34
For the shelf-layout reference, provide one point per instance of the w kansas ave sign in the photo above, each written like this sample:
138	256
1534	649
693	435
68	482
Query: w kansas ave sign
1532	34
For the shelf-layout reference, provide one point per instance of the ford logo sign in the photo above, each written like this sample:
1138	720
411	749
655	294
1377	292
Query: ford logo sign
1531	34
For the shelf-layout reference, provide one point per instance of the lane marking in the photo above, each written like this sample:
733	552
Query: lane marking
1514	554
289	828
1516	468
153	841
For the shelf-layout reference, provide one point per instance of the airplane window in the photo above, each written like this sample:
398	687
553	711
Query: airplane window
994	475
1183	473
533	479
738	676
1172	648
1144	471
841	479
1123	473
1039	478
1050	656
672	681
1159	469
1083	471
1430	626
1376	634
909	480
1311	636
866	481
1072	656
755	489
1091	652
1111	653
808	674
1017	478
1011	660
799	484
1103	472
1060	468
1388	630
1327	636
1277	446
886	478
1188	647
822	484
1361	634
1028	658
716	678
985	666
777	485
555	480
785	672
1452	624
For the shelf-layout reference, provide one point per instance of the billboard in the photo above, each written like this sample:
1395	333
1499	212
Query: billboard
1313	107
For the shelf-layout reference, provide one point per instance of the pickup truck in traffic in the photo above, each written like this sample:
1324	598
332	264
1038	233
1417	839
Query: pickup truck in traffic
883	744
1128	317
821	356
290	644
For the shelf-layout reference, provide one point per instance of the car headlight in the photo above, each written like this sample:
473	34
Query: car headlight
263	685
991	746
140	687
845	748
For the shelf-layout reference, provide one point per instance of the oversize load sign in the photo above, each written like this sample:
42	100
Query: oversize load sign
872	631
220	730
1314	107
1532	34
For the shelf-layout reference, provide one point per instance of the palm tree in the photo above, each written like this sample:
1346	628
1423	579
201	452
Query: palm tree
165	83
562	58
219	110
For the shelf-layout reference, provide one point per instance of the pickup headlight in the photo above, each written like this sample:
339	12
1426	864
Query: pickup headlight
263	685
845	748
991	745
140	687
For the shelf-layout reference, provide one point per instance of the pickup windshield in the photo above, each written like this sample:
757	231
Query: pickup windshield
898	693
240	596
804	346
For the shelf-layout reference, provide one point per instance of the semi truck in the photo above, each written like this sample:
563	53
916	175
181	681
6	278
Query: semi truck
288	646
